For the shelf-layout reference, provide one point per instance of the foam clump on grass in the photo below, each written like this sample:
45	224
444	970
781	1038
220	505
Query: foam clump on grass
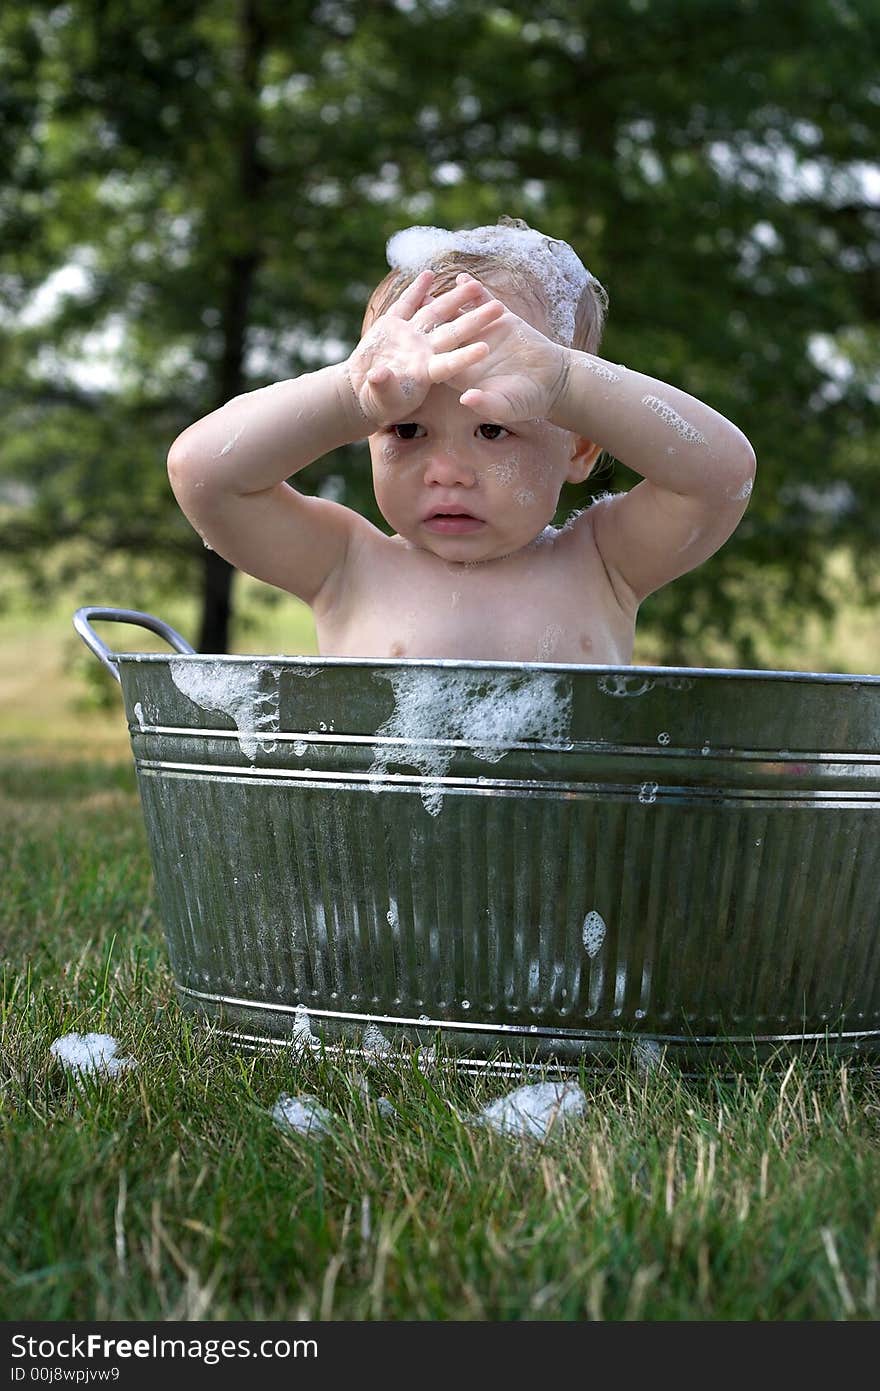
90	1055
302	1114
532	1111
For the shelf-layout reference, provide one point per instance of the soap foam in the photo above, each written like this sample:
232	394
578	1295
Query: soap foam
593	933
303	1040
236	691
532	1111
553	263
671	417
487	711
89	1055
599	368
504	471
303	1114
374	1041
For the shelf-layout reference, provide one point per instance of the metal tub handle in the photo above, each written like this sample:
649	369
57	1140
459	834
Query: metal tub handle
82	622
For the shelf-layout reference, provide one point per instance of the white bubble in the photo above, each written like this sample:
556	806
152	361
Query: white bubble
671	417
302	1114
593	934
532	1111
248	694
599	368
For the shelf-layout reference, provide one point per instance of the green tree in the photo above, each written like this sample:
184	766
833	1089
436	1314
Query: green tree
226	175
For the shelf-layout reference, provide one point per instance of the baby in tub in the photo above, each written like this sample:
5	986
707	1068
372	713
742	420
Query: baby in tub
479	388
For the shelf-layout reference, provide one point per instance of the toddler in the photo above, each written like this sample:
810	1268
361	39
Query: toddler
478	387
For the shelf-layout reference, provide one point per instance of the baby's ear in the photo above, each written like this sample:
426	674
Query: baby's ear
584	454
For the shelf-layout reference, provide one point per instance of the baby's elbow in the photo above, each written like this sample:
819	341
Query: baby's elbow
743	466
179	463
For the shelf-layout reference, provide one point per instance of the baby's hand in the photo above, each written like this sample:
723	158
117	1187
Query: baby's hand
415	344
521	375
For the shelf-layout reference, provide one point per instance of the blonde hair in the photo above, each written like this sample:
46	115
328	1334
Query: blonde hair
499	272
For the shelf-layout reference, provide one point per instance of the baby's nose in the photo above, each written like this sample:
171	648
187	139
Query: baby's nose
447	467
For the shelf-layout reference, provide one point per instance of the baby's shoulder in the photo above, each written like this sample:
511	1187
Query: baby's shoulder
577	533
576	548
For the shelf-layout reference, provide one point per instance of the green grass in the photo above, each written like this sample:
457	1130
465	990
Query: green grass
170	1193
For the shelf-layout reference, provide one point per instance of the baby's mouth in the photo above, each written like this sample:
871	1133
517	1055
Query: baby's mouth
454	522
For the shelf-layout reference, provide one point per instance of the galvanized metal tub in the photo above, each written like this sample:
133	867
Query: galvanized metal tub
536	862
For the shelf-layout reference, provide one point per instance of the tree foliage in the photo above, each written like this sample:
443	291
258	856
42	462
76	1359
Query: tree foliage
225	175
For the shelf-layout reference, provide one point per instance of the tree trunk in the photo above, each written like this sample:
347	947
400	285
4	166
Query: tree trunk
242	268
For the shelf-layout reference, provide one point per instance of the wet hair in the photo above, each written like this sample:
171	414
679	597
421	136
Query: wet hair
492	256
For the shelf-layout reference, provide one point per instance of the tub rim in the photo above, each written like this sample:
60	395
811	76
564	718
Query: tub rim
468	664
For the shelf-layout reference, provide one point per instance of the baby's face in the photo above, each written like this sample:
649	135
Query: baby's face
470	490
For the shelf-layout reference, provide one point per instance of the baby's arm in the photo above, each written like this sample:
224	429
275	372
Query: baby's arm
697	470
227	470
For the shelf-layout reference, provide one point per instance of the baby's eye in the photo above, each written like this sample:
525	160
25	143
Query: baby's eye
408	431
492	432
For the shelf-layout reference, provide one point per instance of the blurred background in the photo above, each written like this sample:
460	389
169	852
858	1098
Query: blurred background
195	199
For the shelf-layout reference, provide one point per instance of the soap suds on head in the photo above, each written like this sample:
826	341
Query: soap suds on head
303	1114
485	711
525	497
533	1111
89	1054
239	691
744	492
671	417
553	263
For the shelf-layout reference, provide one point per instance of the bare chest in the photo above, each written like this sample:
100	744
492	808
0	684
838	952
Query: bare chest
550	603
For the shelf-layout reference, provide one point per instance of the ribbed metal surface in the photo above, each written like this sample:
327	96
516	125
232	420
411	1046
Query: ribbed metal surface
686	857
